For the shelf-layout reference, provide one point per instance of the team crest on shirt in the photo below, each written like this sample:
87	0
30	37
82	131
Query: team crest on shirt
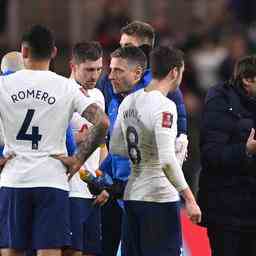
167	119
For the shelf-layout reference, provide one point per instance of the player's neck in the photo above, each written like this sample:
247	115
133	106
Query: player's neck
157	85
37	65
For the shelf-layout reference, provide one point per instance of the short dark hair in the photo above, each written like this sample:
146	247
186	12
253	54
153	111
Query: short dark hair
163	59
84	51
40	41
144	31
245	68
132	54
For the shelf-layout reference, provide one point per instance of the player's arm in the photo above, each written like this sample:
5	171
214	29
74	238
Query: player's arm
117	140
181	143
177	98
103	152
96	135
94	138
165	134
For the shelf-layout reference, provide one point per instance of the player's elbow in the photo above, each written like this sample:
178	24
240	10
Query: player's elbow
105	122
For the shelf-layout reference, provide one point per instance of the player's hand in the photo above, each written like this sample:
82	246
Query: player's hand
71	162
193	211
102	198
251	143
4	160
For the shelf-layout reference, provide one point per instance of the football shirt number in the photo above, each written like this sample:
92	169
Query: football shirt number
132	139
34	137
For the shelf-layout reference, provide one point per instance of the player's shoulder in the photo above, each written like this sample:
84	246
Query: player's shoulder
159	101
41	75
97	96
130	98
56	77
96	93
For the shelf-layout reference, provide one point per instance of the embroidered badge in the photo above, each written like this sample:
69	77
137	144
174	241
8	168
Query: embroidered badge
167	120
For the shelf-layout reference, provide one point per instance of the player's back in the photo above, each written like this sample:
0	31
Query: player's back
139	112
35	108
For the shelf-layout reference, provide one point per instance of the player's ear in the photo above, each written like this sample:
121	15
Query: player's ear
173	74
138	73
24	51
54	52
71	65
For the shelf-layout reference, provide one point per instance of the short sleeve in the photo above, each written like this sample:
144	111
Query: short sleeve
80	101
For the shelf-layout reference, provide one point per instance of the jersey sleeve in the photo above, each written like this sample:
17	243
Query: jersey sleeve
80	101
164	121
177	97
70	141
117	140
99	99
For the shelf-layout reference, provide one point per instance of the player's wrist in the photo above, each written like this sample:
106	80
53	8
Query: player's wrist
78	161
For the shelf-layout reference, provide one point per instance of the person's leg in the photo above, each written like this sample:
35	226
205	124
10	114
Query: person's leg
248	244
224	242
15	220
111	228
51	227
11	252
92	230
71	252
130	229
78	210
161	221
49	252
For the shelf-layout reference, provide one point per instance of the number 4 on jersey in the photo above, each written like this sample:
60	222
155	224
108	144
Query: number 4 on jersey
34	137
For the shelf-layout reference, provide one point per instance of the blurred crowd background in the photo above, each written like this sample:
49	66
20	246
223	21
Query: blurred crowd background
212	33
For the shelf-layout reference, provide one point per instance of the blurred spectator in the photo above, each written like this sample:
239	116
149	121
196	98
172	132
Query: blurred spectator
206	60
3	14
245	10
237	46
191	166
107	32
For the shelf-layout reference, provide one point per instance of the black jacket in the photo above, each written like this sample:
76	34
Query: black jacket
227	187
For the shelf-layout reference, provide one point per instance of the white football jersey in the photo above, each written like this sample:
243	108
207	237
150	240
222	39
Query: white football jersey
35	109
140	117
78	188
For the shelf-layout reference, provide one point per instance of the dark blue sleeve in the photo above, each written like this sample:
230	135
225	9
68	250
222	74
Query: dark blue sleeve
216	149
106	165
121	167
1	151
105	86
177	97
70	141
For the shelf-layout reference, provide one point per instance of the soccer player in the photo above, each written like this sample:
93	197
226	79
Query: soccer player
12	62
86	66
145	130
35	108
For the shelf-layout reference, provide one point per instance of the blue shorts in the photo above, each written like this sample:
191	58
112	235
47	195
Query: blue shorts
34	218
151	229
85	225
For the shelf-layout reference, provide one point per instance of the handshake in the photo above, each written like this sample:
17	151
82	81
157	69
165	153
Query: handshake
98	183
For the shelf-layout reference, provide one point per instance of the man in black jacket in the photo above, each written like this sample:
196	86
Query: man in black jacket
227	189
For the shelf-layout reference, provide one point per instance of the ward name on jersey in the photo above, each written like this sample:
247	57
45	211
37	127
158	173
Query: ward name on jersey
142	115
35	94
35	128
